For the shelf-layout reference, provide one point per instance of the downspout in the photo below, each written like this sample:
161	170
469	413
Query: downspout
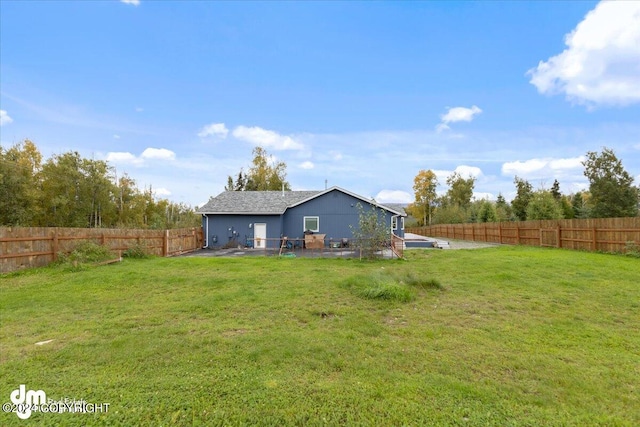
206	232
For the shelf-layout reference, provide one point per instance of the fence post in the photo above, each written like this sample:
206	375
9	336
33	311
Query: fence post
55	244
558	236
165	243
517	234
500	232
595	240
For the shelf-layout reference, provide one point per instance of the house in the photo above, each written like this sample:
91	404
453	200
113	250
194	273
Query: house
260	219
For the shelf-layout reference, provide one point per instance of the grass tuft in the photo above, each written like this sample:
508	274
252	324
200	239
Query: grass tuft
421	282
379	286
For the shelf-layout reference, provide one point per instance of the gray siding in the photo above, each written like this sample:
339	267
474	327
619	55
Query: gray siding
235	229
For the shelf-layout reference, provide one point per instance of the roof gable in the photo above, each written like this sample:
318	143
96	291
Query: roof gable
272	202
392	209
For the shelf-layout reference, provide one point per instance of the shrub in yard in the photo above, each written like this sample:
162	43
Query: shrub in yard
632	249
86	252
372	235
136	251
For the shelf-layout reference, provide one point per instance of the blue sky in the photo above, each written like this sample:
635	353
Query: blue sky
360	94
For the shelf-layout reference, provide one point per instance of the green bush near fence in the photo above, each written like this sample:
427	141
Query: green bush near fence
491	337
83	254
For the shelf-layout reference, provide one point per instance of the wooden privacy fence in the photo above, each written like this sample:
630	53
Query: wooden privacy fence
596	234
24	247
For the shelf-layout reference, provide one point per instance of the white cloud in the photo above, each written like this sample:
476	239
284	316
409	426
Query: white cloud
116	136
518	167
161	192
123	157
139	109
4	118
601	65
149	153
133	2
457	114
466	171
214	129
393	196
307	165
158	153
266	138
573	163
542	167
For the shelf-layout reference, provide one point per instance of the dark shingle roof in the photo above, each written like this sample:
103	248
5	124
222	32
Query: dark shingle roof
254	202
398	207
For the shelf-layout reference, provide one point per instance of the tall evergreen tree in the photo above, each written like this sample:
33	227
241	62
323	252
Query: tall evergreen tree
555	190
543	205
524	192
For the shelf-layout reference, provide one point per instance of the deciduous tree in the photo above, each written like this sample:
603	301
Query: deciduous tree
460	190
266	173
19	184
424	188
612	191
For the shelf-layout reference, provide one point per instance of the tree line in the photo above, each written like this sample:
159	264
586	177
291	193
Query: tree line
264	174
611	194
68	190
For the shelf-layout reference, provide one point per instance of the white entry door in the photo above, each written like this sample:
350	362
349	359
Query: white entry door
260	235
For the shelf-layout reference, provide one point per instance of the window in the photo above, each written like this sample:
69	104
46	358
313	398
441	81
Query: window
312	223
394	223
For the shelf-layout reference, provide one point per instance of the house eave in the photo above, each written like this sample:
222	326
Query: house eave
239	213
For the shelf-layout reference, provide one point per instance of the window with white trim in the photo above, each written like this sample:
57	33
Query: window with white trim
394	222
402	223
311	223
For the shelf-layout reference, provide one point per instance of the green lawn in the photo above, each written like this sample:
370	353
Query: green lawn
507	336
